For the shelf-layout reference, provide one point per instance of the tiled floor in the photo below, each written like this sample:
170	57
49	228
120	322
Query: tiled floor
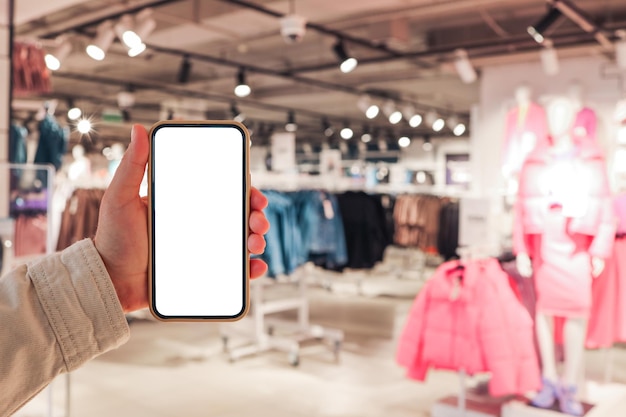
179	369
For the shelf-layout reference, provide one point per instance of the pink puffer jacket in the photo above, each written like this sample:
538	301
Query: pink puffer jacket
484	328
592	191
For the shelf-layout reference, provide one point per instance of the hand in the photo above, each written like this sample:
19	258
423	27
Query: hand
597	266
122	234
524	265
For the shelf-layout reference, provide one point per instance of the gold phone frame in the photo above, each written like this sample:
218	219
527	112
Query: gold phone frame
246	195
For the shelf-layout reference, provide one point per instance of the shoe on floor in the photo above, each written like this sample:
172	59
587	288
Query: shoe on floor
547	396
568	403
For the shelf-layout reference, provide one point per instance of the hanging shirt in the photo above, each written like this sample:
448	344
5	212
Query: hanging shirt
53	141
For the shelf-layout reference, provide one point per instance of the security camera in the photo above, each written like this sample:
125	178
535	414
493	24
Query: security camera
292	28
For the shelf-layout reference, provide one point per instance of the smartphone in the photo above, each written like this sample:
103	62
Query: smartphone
198	205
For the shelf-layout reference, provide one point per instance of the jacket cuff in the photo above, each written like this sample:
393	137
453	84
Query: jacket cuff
80	302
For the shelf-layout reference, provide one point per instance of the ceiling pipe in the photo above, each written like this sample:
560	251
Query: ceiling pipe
578	16
380	47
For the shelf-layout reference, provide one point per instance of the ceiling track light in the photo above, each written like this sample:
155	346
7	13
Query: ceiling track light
242	89
346	63
580	18
549	59
53	60
404	142
393	114
105	35
184	72
537	31
459	129
366	105
73	112
346	133
291	125
464	67
438	124
237	115
366	136
327	128
427	146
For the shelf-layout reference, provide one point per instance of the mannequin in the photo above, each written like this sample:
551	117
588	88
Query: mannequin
80	168
585	123
525	127
563	232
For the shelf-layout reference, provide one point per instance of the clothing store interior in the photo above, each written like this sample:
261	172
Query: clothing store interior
417	155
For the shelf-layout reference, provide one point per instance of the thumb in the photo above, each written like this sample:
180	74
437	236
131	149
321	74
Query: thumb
128	176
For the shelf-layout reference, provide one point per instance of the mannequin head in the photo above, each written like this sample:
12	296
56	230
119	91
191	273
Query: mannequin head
523	94
560	112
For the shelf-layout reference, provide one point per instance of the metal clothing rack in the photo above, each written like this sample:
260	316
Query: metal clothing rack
262	330
22	178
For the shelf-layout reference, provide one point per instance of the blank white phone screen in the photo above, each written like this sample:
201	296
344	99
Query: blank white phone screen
198	197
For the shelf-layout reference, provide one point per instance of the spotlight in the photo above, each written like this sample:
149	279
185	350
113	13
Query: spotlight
145	25
83	126
404	141
366	135
134	37
346	133
136	50
74	113
408	111
438	124
347	63
327	128
53	60
124	31
370	109
549	59
538	29
464	67
393	114
102	42
459	129
291	125
237	115
185	70
415	121
242	89
427	146
452	121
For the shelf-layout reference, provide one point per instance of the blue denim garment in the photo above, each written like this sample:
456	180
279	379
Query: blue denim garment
321	234
283	240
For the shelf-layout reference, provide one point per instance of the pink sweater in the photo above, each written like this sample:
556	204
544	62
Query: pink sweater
484	329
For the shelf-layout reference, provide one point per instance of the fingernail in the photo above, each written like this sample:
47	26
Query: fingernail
133	133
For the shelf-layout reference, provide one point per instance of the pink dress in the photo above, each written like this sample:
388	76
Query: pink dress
564	215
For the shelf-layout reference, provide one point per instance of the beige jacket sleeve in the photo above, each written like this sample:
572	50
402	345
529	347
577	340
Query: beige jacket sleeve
55	314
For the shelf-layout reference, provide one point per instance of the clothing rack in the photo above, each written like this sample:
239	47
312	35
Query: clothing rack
261	329
21	179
